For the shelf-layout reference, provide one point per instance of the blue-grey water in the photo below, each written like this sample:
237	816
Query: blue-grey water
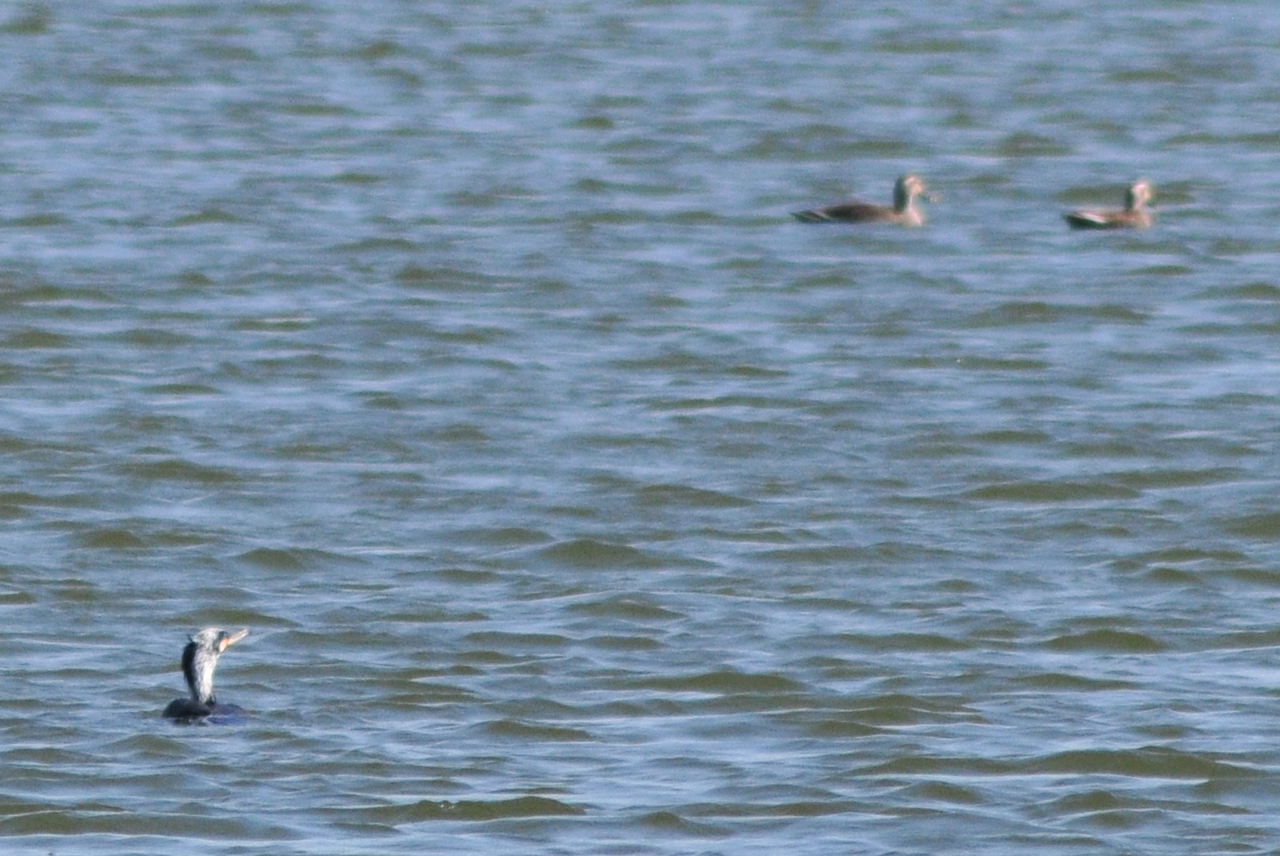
581	501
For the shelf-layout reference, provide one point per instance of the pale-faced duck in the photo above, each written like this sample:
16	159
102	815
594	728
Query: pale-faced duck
1134	215
903	212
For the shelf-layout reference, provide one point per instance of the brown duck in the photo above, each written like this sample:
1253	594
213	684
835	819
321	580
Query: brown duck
1134	215
903	212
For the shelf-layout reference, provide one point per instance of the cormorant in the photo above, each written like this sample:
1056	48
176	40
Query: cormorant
199	659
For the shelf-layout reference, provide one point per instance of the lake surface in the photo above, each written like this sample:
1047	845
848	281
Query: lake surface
581	501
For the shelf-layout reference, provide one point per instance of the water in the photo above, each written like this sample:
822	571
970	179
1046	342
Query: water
578	499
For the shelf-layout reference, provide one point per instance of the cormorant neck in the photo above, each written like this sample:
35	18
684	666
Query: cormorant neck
197	667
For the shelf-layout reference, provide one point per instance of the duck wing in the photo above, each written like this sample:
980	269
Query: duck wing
847	212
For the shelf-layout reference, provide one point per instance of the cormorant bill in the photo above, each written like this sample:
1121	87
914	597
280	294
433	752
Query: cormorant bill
199	659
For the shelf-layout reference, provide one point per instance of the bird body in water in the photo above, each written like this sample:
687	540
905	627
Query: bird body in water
903	212
199	659
1134	215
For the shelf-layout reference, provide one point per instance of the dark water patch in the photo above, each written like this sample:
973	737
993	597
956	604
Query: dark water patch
895	642
1026	144
1266	141
1265	525
1162	270
316	109
1266	292
1102	801
31	19
824	142
1244	640
501	537
626	607
443	279
939	765
829	556
425	695
35	339
516	641
36	221
902	709
273	325
95	818
125	79
464	810
468	576
670	822
1230	247
724	682
1111	448
1002	364
1154	762
308	451
515	729
109	539
378	246
28	293
590	555
1120	819
835	727
700	217
836	279
1145	75
682	361
1264	577
749	535
206	217
1175	478
367	178
676	495
153	337
615	643
494	195
1063	682
76	591
1051	492
973	364
1107	641
592	122
928	40
799	808
1017	313
1013	437
273	559
943	792
180	470
310	366
1166	576
1182	555
1239	400
182	390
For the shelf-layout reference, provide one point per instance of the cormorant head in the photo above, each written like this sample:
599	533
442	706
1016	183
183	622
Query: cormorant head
200	658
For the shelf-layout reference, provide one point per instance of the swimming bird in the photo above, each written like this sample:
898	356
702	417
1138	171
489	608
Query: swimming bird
199	659
903	212
1134	215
